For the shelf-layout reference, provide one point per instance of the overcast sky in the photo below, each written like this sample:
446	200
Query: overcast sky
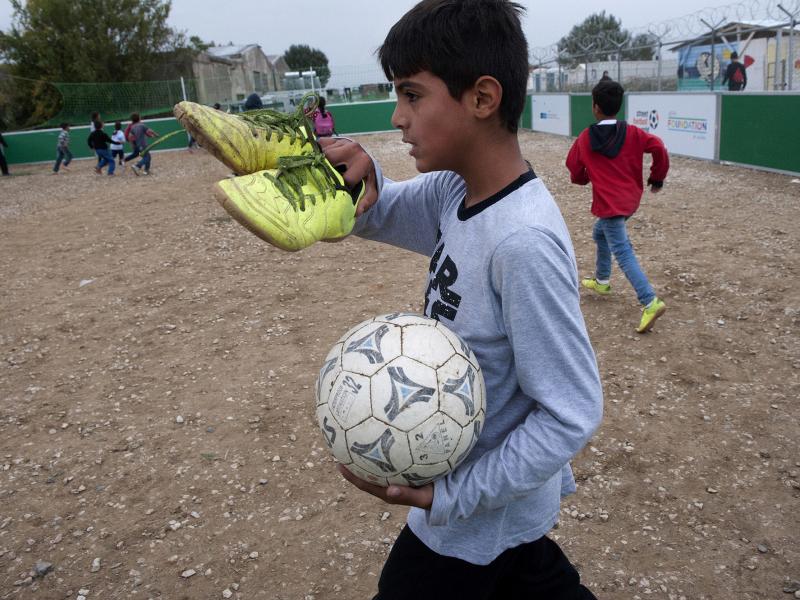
348	31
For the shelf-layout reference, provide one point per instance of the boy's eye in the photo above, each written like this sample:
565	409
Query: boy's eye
411	96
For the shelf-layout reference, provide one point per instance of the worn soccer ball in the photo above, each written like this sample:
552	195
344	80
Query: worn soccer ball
400	400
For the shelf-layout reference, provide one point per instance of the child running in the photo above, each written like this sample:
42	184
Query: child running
99	141
62	150
118	144
609	154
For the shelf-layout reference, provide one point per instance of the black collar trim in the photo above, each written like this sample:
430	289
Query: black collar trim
466	213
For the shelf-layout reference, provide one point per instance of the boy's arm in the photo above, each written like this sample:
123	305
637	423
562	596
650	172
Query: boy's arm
658	170
577	169
556	368
744	75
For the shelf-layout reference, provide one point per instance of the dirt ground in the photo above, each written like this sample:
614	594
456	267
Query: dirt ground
157	430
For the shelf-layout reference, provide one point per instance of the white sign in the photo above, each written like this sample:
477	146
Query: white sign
686	122
550	113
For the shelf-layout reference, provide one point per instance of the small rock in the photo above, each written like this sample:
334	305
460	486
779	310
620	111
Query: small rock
712	490
385	516
276	458
226	593
83	592
262	482
254	555
188	573
762	548
95	565
42	568
179	419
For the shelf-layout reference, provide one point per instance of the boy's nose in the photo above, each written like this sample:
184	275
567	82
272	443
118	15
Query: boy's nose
397	120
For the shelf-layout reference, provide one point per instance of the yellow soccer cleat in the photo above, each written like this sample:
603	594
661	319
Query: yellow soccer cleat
650	313
250	141
592	284
302	202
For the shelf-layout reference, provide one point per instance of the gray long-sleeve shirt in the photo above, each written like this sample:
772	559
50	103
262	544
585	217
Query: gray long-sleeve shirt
502	276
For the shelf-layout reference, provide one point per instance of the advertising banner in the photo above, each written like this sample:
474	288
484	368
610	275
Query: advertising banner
551	113
686	122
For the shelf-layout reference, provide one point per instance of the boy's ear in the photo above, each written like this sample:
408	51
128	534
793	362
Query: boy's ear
486	96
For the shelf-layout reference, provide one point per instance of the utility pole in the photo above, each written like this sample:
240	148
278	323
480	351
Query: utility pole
792	25
713	29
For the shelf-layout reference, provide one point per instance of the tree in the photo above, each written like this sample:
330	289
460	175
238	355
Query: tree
86	41
605	35
300	57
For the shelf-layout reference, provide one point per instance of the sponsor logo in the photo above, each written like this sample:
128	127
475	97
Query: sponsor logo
549	115
687	124
641	119
653	119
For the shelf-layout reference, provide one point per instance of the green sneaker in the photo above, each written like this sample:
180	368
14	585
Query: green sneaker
650	313
600	288
302	202
250	141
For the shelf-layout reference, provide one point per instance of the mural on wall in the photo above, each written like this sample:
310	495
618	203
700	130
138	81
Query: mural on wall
695	66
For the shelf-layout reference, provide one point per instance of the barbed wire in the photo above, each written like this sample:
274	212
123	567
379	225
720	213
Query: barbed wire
756	15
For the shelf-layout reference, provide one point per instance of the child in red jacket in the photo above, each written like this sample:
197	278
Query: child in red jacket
609	154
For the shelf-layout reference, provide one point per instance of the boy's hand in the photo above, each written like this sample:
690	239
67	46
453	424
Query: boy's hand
357	165
654	189
421	497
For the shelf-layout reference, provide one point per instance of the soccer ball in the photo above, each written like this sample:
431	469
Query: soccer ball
400	400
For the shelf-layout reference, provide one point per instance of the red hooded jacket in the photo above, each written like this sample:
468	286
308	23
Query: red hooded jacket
611	157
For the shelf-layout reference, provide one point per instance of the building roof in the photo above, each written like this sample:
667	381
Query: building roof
230	51
760	29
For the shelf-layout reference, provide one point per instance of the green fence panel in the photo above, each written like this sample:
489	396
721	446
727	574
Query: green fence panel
363	117
40	146
761	130
581	116
527	114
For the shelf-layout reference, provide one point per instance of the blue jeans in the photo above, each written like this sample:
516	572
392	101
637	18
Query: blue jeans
145	161
104	158
134	154
611	237
61	154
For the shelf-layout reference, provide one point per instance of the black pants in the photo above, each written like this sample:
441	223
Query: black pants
118	154
3	164
535	571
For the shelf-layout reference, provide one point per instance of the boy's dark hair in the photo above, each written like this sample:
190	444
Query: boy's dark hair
734	54
607	95
98	124
118	125
135	118
460	41
95	116
64	125
321	105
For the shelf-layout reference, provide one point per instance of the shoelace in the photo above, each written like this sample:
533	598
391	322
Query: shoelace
295	171
283	124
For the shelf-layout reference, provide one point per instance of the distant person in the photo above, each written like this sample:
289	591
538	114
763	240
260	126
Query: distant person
62	150
99	141
217	106
735	74
609	155
605	76
253	102
118	144
324	125
3	163
141	134
135	118
94	118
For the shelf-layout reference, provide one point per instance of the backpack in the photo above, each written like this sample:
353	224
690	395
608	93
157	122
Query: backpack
738	74
323	125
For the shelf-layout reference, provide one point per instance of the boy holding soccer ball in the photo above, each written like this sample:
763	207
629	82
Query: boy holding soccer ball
503	277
